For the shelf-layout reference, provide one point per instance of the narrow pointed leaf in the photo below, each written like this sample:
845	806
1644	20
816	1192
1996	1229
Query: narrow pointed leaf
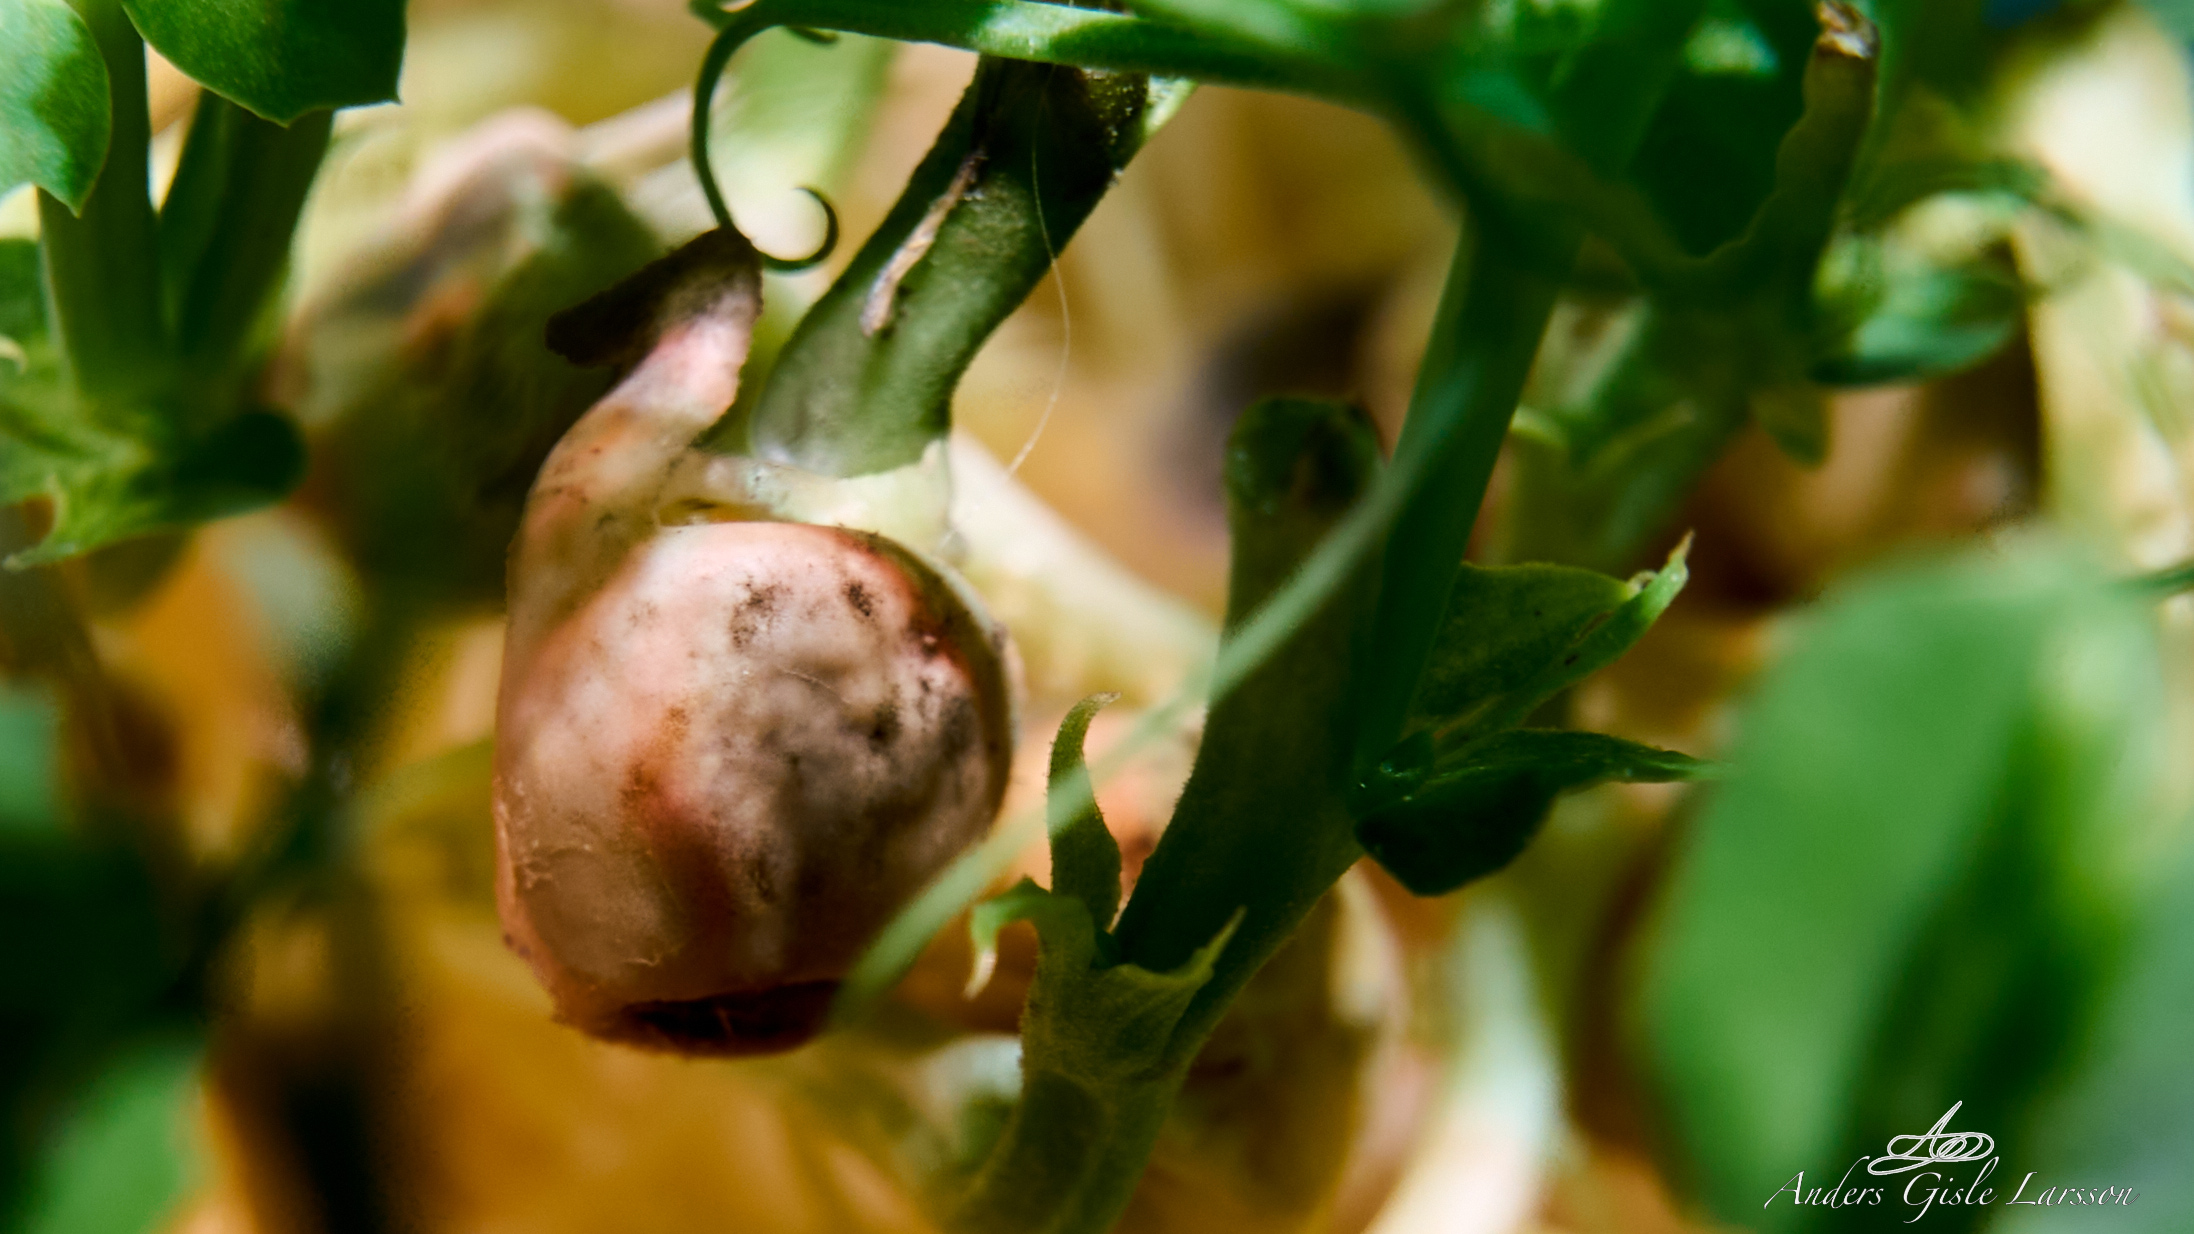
1479	811
1085	859
1514	636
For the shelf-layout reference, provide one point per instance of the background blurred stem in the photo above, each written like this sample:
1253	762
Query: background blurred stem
313	1091
103	268
43	635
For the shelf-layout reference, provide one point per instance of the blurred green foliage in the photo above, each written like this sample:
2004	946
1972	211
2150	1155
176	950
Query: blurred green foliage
94	1077
1918	885
124	1155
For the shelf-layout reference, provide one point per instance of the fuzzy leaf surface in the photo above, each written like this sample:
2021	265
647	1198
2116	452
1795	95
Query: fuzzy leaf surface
1086	1018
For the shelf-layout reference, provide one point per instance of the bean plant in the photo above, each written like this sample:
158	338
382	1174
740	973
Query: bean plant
1401	653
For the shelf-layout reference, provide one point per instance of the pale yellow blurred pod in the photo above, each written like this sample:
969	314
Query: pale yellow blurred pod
2112	119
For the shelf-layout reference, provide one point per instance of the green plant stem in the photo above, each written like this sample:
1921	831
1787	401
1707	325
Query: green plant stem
1483	340
1088	38
865	382
1066	1160
1261	832
102	268
1263	829
226	225
1492	315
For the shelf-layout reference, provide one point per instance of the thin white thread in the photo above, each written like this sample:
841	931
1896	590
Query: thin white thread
1066	318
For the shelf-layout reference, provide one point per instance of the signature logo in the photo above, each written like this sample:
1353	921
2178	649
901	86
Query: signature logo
1927	1160
1938	1146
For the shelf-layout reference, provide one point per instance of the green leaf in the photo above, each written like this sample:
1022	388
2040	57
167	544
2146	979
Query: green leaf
1103	1050
1708	159
102	958
122	1155
1796	416
115	456
54	112
281	58
1912	884
22	308
1502	626
1085	859
1514	636
1477	813
1601	468
104	963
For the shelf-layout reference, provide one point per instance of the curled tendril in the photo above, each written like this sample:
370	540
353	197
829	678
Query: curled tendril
712	71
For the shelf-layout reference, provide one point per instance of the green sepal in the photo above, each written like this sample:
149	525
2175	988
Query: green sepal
55	116
281	58
1085	859
1514	636
1478	811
